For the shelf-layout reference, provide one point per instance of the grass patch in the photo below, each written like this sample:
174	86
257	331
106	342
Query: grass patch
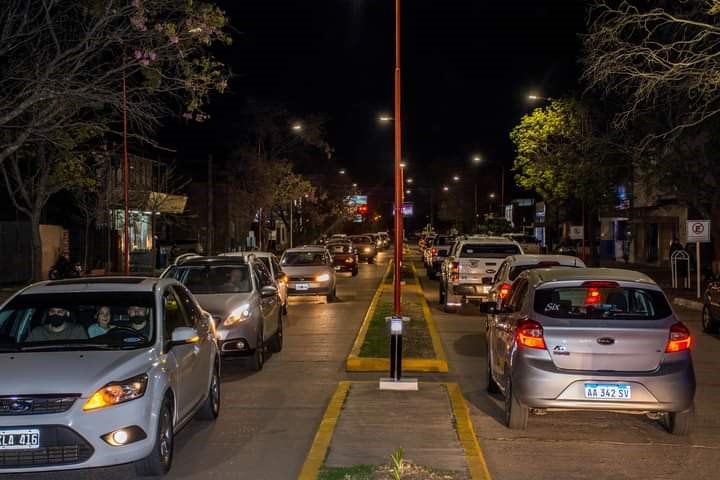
384	472
417	342
358	472
406	274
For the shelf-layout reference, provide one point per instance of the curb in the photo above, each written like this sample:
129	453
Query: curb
355	363
689	304
477	466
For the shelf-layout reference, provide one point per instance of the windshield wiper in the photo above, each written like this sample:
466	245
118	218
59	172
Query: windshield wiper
8	349
72	346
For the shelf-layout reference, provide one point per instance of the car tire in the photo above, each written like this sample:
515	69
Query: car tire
355	272
276	344
159	461
516	414
678	423
257	359
441	295
492	387
210	408
708	322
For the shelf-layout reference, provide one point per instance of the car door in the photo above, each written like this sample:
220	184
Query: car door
268	305
505	328
185	355
202	370
713	293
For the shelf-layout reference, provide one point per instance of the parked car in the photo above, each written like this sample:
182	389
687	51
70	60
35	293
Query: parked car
469	269
514	265
365	246
310	271
241	295
385	236
528	243
344	256
436	254
272	263
379	244
711	306
590	339
101	372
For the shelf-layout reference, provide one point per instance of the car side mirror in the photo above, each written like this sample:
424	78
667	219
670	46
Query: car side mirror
183	336
268	291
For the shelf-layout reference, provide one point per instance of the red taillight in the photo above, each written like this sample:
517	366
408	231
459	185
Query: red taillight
529	333
600	284
504	291
433	252
679	339
454	271
593	296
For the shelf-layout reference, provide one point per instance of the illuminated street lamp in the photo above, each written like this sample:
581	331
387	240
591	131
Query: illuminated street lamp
445	188
409	180
408	191
297	127
342	171
476	159
384	118
456	178
538	97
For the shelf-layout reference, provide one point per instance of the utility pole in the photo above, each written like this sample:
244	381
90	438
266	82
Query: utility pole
211	207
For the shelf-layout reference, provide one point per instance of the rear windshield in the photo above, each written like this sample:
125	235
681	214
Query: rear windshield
299	259
207	279
488	250
613	302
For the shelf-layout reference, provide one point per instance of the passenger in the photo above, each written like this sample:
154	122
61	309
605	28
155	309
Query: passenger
57	326
139	319
235	282
102	326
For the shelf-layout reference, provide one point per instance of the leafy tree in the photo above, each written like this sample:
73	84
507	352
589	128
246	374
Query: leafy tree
63	64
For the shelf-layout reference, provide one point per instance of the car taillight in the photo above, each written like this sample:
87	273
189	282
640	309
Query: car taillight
454	271
593	296
679	339
434	251
504	291
529	333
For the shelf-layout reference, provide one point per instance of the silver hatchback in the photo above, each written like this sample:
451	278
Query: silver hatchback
590	339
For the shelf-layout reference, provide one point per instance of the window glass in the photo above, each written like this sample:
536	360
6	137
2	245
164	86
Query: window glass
174	315
209	279
488	250
309	258
518	295
191	308
614	302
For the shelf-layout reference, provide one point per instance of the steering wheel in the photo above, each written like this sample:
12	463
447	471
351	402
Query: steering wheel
127	330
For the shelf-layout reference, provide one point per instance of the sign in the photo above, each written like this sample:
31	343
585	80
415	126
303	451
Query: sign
407	209
577	232
356	200
698	231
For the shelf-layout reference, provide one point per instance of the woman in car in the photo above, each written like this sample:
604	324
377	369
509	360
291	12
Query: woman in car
102	326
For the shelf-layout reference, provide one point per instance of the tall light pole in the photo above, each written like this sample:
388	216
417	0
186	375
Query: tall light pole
398	167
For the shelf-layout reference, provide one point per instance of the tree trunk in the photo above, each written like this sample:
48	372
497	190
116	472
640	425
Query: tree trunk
86	248
36	247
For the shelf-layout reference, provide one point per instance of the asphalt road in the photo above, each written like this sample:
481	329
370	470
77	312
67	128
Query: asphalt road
268	419
583	445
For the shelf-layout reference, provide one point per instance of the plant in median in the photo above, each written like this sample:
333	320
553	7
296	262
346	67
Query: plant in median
397	464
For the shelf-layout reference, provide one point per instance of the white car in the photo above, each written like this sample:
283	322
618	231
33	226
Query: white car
100	372
273	265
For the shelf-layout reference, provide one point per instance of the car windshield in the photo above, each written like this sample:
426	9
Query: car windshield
78	321
488	250
611	301
209	279
339	248
362	240
298	259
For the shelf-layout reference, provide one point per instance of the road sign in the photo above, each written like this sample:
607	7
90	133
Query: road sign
698	231
577	232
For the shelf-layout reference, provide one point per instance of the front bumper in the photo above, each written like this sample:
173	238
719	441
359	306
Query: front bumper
537	383
309	288
72	440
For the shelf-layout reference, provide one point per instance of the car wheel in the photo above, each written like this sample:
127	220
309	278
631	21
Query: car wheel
160	459
441	295
492	387
211	406
678	423
355	272
277	341
257	360
708	323
516	414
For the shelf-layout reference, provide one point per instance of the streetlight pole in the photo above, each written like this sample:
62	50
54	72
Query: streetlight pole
398	169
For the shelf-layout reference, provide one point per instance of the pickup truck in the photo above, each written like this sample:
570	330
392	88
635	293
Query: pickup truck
436	254
469	269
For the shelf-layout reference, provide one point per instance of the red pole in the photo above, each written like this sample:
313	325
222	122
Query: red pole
398	169
126	187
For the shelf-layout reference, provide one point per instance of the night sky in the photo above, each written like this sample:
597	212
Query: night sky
468	66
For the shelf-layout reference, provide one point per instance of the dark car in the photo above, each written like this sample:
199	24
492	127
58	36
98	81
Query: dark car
345	258
711	306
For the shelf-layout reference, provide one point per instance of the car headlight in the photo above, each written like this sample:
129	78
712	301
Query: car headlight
367	249
323	277
238	315
117	392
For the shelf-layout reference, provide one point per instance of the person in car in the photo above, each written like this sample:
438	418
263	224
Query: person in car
235	282
139	319
102	326
57	326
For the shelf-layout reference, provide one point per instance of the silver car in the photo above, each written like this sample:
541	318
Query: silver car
101	372
242	298
310	271
590	339
272	263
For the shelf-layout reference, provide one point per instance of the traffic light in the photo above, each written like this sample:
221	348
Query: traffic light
362	210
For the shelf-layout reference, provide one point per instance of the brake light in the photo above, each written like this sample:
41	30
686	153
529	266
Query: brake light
593	296
454	271
504	291
600	284
434	251
529	333
679	339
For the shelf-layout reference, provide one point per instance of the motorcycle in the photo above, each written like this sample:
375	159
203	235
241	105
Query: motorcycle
63	268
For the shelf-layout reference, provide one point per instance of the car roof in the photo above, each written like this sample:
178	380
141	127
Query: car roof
544	275
306	248
486	239
530	259
97	284
246	254
216	260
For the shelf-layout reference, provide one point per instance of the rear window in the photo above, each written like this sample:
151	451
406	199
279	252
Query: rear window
611	302
362	240
488	250
303	259
339	248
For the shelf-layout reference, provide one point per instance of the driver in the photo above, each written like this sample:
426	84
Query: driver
139	319
57	326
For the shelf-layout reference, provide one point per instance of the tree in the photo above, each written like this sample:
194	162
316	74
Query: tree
63	64
663	63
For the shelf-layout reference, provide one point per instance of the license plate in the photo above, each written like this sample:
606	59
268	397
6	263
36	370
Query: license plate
338	267
607	391
19	439
302	286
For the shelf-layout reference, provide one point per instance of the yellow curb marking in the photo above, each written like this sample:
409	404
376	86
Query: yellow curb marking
466	434
360	338
316	456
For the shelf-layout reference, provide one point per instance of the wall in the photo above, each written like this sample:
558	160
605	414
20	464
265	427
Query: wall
54	243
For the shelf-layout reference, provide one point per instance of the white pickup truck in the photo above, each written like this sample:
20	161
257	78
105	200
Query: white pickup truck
469	270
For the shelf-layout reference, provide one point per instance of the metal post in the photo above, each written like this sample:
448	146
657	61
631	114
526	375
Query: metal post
475	216
398	170
291	222
126	181
697	267
211	208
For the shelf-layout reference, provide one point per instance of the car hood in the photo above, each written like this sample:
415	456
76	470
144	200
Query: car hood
221	304
309	272
83	372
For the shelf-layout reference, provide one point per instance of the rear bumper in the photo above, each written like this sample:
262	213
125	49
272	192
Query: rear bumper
467	292
537	383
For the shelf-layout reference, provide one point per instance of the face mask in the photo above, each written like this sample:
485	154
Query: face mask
137	320
56	320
